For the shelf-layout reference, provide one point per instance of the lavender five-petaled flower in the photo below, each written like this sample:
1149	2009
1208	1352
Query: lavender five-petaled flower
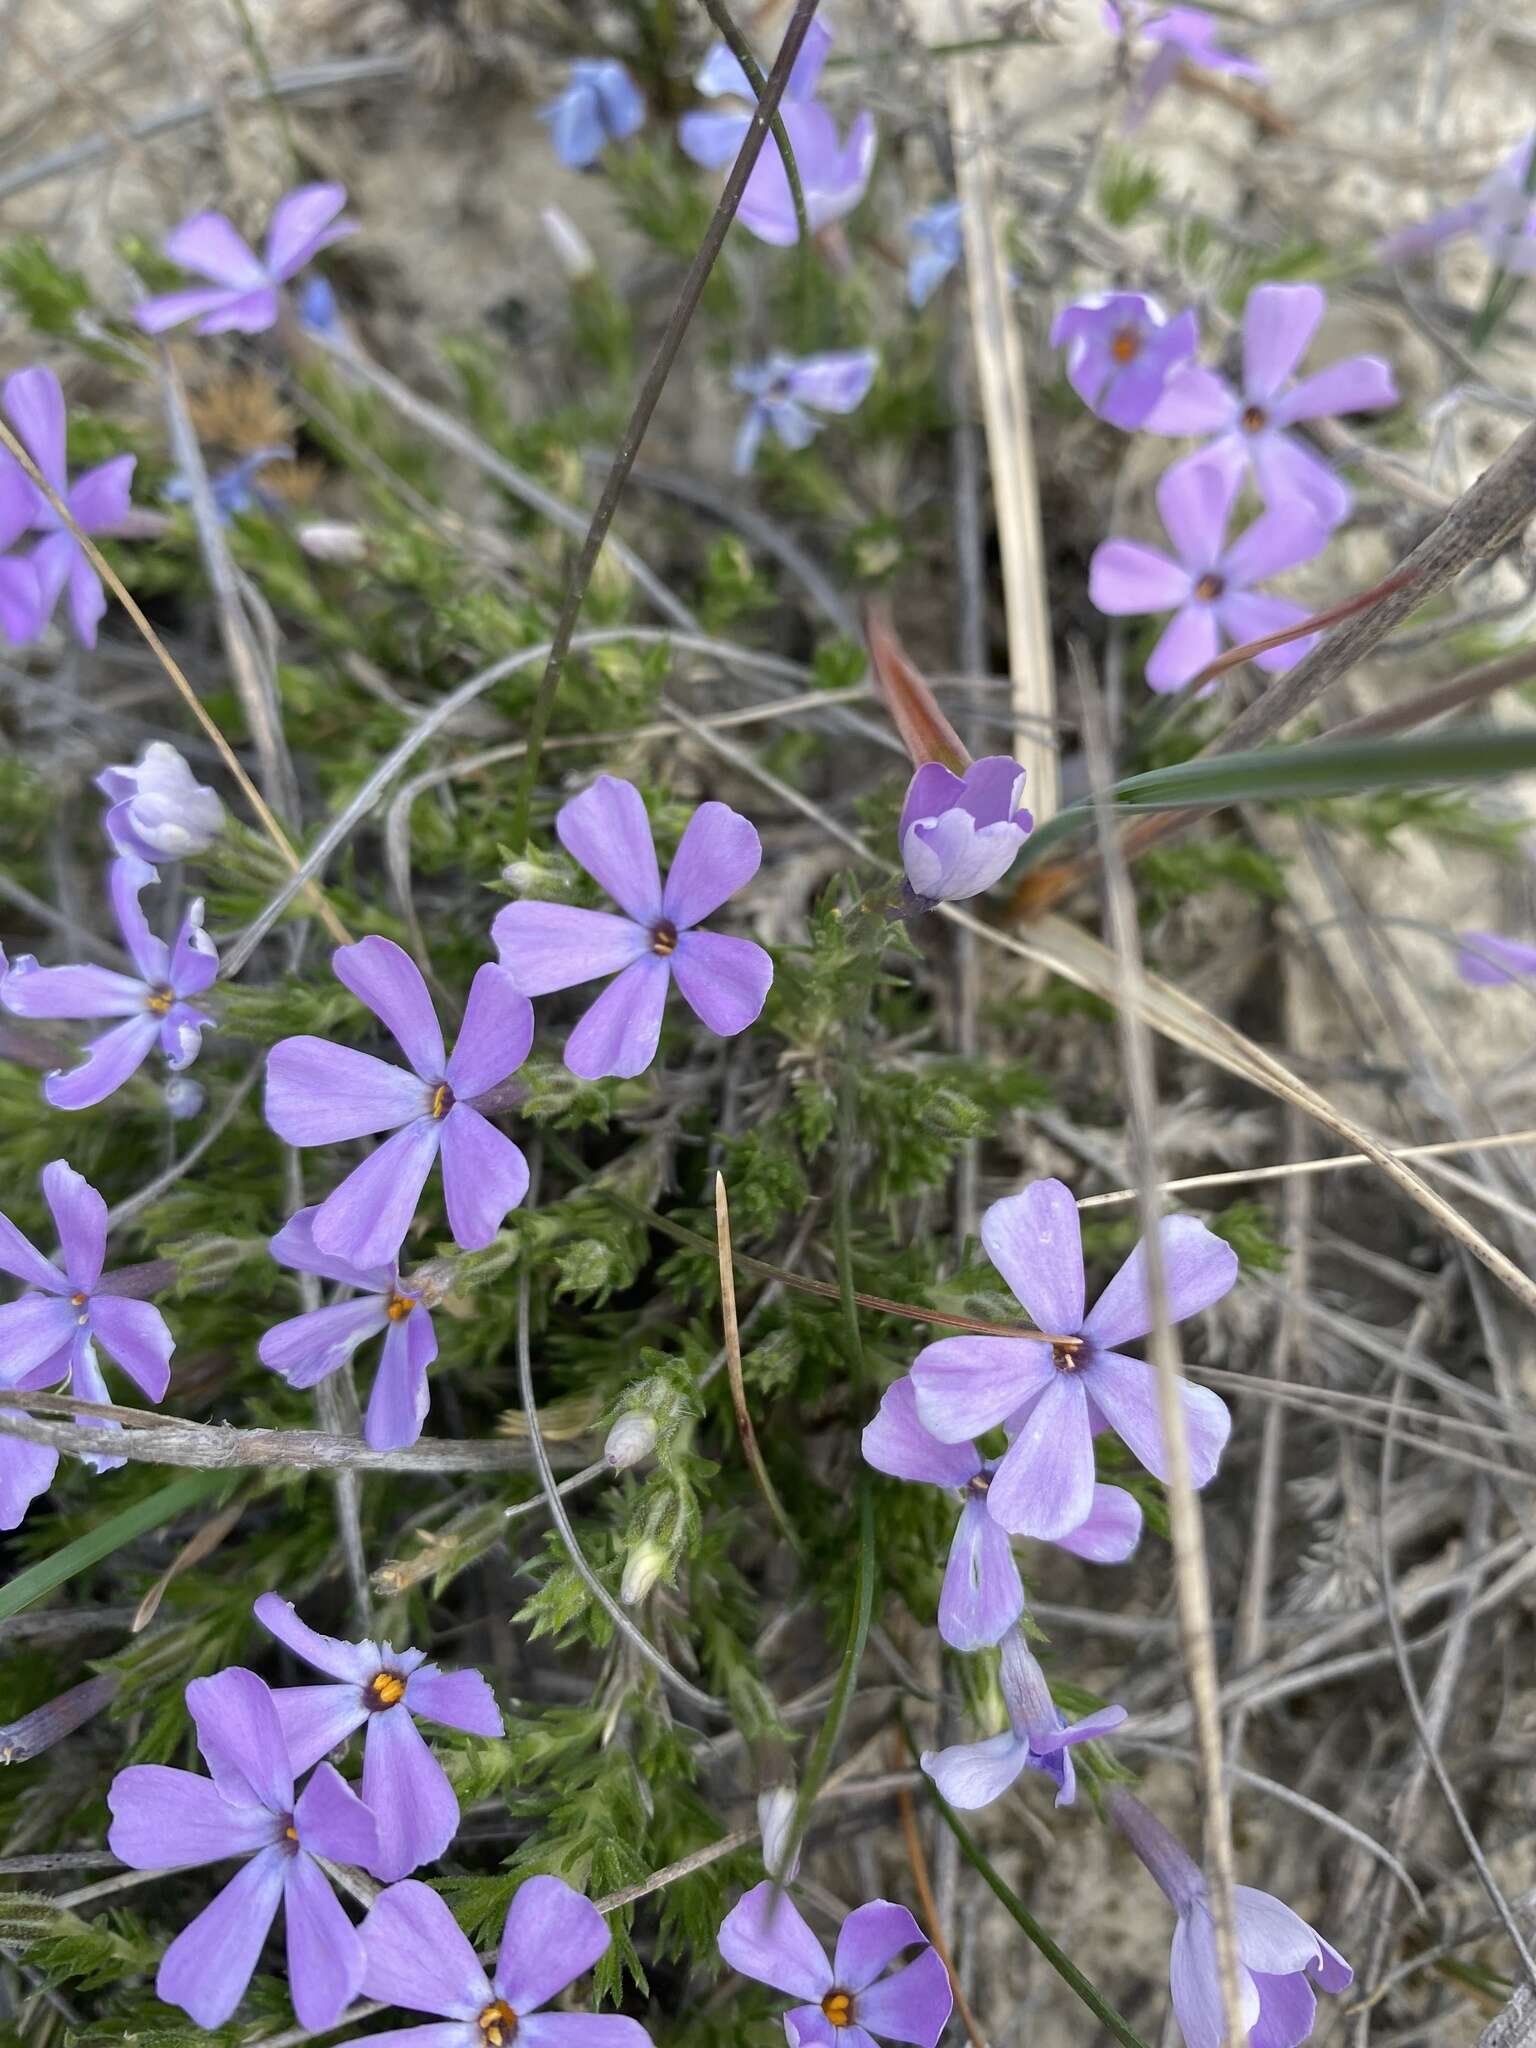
1037	1738
1487	959
323	1094
764	1936
961	833
49	1336
1280	1957
235	489
1501	213
833	173
1122	348
156	1003
243	295
601	104
165	1819
1182	35
548	946
1209	587
159	810
983	1595
1279	322
383	1689
938	243
308	1348
98	503
788	391
1053	1399
416	1956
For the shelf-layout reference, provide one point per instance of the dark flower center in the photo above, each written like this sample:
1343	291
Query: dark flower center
838	2007
978	1486
664	938
1210	587
159	1001
384	1689
1255	419
1126	345
1066	1360
290	1832
442	1100
497	2024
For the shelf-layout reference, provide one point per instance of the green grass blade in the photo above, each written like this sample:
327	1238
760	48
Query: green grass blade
49	1573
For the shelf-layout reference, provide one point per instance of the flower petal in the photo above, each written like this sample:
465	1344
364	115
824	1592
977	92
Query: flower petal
26	1470
308	1348
1194	401
581	2030
764	1936
416	1955
1288	470
1043	1485
724	981
80	1218
1194	501
455	1699
552	1936
21	601
1246	616
136	1335
1198	1268
484	1176
386	978
967	1385
109	1061
607	832
171	309
325	1951
1270	1936
323	1094
303	223
100	499
1287	2011
212	246
243	313
871	1937
549	946
366	1218
20	1257
354	1662
718	854
836	382
33	1330
20	501
1358	384
241	1740
174	1820
316	1719
1125	578
294	1246
972	1774
712	139
332	1821
1124	1392
398	1403
1281	538
207	1967
69	992
1279	322
896	1442
620	1032
1190	642
407	1790
983	1594
495	1036
34	403
1112	1530
1036	1242
1486	958
912	2005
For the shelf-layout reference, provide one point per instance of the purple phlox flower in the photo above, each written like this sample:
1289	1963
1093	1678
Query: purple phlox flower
983	1594
788	391
833	172
961	833
48	1337
854	2005
1037	1738
938	244
1053	1401
1180	35
416	1956
1122	348
1279	322
383	1689
242	296
1488	959
308	1348
323	1094
165	1819
549	946
234	489
1209	587
156	1003
98	502
159	810
1280	1957
601	104
1501	213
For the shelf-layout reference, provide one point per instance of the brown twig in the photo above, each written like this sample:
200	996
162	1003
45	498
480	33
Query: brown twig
749	1443
926	1900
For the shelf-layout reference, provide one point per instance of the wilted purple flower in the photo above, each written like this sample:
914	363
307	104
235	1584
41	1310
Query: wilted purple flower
159	810
156	1004
166	1819
833	173
98	503
1280	1957
938	244
308	1348
243	296
1182	35
1053	1400
32	1734
323	1094
1209	587
1279	322
416	1956
1488	959
48	1338
764	1936
382	1689
983	1594
601	104
234	489
961	833
1501	213
1121	350
787	391
549	946
1037	1738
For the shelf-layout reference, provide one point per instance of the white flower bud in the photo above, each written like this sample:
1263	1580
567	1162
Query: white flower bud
333	540
775	1818
631	1438
573	252
647	1561
183	1096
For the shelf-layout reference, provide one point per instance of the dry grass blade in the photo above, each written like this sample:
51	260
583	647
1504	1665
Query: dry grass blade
925	1898
1331	1163
202	1544
749	1443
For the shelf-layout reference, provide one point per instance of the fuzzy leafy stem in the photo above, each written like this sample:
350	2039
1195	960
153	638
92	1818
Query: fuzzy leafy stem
650	392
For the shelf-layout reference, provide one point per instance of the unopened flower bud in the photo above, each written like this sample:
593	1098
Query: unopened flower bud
631	1438
159	810
183	1097
334	540
647	1561
960	834
573	252
775	1820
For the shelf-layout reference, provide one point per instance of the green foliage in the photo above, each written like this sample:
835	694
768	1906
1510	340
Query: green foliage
1167	876
1127	187
49	296
1249	1228
1450	817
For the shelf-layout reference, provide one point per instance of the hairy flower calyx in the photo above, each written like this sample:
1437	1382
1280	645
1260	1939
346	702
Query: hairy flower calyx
838	2007
664	938
384	1689
497	2024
